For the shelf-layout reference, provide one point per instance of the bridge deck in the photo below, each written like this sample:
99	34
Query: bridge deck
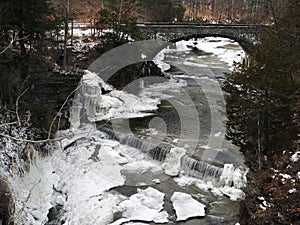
184	24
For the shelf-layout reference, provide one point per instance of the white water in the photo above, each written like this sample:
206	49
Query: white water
86	165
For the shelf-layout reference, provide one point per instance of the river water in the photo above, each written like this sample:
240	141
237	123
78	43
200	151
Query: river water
190	115
126	157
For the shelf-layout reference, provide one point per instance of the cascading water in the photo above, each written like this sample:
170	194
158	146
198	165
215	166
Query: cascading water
200	169
156	152
190	166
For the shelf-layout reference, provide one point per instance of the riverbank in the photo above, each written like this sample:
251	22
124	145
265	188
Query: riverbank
273	193
43	91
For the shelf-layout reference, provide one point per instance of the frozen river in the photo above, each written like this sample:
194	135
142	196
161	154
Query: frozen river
161	159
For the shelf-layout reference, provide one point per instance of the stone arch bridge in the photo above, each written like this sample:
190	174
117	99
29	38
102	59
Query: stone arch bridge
245	35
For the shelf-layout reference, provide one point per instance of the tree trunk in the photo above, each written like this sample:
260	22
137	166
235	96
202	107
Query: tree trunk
65	43
22	42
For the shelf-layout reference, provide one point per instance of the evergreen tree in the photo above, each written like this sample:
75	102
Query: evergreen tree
178	10
29	19
162	10
262	98
120	16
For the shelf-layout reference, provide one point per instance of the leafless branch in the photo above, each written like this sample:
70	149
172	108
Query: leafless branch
18	122
27	140
26	200
13	40
7	47
65	102
8	124
61	108
17	106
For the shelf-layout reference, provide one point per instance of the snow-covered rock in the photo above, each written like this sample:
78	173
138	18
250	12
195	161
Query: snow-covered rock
186	207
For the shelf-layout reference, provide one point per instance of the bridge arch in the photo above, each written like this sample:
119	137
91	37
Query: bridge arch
245	35
247	47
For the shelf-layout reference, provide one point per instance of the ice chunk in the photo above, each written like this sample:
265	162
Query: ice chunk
172	162
233	193
218	134
156	181
186	207
234	177
146	205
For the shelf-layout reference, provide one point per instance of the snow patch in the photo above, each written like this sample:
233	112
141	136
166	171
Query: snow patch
293	190
142	166
295	157
285	176
216	47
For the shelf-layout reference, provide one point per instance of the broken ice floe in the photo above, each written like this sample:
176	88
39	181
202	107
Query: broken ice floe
186	207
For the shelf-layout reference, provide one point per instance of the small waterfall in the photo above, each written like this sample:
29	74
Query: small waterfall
135	142
199	168
85	107
193	167
159	153
111	134
154	151
176	160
